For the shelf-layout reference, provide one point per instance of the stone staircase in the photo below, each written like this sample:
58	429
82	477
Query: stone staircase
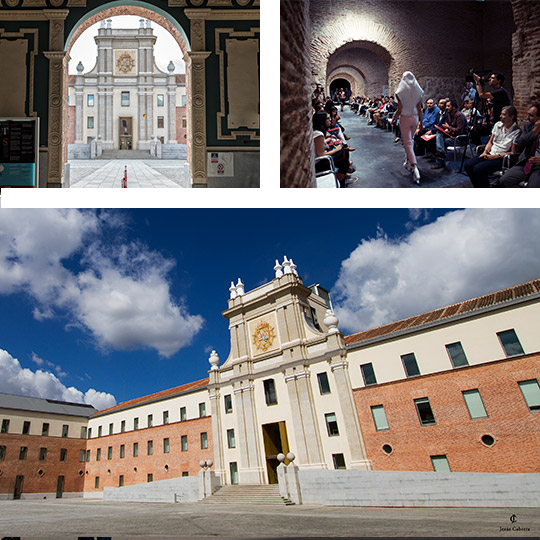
247	495
126	154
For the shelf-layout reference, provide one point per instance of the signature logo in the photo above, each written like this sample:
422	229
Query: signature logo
513	518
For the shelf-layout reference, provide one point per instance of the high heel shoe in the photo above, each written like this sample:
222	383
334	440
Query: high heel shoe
416	174
407	165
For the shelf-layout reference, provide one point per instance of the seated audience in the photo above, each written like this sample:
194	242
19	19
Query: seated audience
456	124
429	118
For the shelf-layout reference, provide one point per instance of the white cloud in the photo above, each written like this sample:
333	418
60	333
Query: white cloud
463	254
44	384
119	291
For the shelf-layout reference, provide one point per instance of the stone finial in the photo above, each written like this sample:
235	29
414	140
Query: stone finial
80	68
171	67
102	24
331	321
141	23
239	287
232	290
293	268
214	360
278	269
109	24
148	23
286	265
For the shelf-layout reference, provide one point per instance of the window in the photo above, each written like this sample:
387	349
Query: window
87	456
368	374
510	342
185	473
204	440
121	480
90	101
99	431
165	417
184	122
136	424
474	403
65	430
150	448
90	433
228	404
531	393
457	354
231	441
440	463
98	454
22	453
2	452
331	424
110	429
150	422
135	449
109	452
96	482
90	122
122	426
63	454
324	385
160	122
82	456
83	432
425	414
149	477
379	417
184	443
125	99
165	446
26	428
161	100
42	454
45	429
5	425
339	461
122	451
183	100
270	392
410	365
202	410
183	415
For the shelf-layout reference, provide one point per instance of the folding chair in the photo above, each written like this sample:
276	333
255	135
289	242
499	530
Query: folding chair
325	172
461	142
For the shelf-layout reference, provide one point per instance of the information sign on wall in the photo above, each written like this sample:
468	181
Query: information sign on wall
220	164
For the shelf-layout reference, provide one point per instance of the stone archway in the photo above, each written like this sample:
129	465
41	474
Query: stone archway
341	80
355	77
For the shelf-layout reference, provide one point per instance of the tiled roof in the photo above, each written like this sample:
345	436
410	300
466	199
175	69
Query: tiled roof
157	396
50	406
467	306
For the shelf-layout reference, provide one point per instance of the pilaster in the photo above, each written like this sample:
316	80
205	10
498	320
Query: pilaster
217	434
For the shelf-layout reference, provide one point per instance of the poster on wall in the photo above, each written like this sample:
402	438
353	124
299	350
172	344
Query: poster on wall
220	164
19	151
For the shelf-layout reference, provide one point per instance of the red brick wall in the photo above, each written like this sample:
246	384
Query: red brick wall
181	133
515	429
70	124
72	469
176	460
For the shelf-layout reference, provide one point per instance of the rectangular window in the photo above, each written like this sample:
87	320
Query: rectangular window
149	477
166	446
204	440
90	433
183	100
531	393
2	452
135	449
474	403
379	417
425	414
22	453
121	480
87	456
368	374
122	451
185	473
184	122
150	422
150	448
510	342
339	461
331	424
45	429
90	122
324	385
161	100
26	428
65	430
457	354
410	365
184	443
125	99
122	426
183	414
165	417
160	122
109	452
5	425
440	463
96	482
98	454
231	441
42	454
135	424
83	432
90	100
63	454
202	410
99	431
82	456
270	391
110	429
228	403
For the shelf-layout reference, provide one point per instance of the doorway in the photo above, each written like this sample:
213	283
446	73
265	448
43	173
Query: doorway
60	487
17	492
275	442
125	130
233	468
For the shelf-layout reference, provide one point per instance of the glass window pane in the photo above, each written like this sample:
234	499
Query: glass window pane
440	464
510	342
424	411
331	424
368	374
379	417
474	403
270	392
457	354
531	393
410	365
324	385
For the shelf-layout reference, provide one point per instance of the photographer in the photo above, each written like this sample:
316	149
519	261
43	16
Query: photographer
498	95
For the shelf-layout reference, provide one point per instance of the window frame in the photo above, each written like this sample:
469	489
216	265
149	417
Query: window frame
333	430
474	391
204	440
452	358
184	443
227	403
379	407
422	401
231	438
270	392
320	377
410	358
161	100
363	369
534	408
125	99
507	332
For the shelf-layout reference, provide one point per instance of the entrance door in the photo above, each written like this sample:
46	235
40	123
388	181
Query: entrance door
60	487
18	487
233	466
125	132
275	442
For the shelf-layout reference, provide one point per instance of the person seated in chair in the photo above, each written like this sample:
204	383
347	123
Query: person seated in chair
502	142
527	168
429	118
456	124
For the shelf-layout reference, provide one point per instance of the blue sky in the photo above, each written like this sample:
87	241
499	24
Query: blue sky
107	306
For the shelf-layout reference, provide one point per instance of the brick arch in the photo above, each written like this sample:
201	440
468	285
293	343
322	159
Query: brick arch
355	77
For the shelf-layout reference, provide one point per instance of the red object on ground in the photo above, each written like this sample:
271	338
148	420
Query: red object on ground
124	180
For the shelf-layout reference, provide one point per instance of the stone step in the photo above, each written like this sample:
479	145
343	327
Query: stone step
126	154
247	495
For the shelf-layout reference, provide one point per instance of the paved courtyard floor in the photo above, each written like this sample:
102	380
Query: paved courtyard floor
141	173
77	518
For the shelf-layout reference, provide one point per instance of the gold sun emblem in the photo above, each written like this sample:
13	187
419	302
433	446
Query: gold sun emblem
264	336
125	63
